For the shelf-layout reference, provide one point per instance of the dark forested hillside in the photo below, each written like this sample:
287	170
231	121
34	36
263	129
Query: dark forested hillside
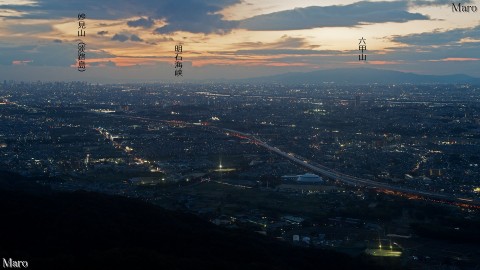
84	230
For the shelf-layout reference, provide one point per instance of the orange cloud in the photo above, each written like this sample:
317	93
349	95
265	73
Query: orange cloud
384	62
455	59
21	62
124	61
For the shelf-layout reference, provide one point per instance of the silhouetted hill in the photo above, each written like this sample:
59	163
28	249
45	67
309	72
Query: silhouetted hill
363	76
85	230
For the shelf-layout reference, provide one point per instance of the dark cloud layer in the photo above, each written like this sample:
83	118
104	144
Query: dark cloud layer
120	37
135	38
197	16
202	16
425	51
439	37
333	16
142	22
123	38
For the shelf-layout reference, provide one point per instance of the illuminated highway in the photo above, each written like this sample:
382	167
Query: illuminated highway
355	181
332	174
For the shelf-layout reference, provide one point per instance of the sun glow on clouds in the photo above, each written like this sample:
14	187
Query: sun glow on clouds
246	9
18	2
126	61
21	62
469	40
141	45
8	12
99	38
11	13
455	59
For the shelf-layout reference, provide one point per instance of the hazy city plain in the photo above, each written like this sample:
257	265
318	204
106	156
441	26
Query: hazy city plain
182	147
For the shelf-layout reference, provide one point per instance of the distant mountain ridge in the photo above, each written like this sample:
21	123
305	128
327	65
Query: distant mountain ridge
363	76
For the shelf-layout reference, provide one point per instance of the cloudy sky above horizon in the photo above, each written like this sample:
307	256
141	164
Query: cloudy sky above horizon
133	40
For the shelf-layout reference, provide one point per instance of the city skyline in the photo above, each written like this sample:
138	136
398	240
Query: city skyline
134	42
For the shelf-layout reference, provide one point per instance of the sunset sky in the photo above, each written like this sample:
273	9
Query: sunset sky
133	41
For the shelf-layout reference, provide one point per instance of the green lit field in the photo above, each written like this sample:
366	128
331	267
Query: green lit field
383	252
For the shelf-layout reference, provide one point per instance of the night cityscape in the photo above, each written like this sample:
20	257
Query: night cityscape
195	149
239	134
